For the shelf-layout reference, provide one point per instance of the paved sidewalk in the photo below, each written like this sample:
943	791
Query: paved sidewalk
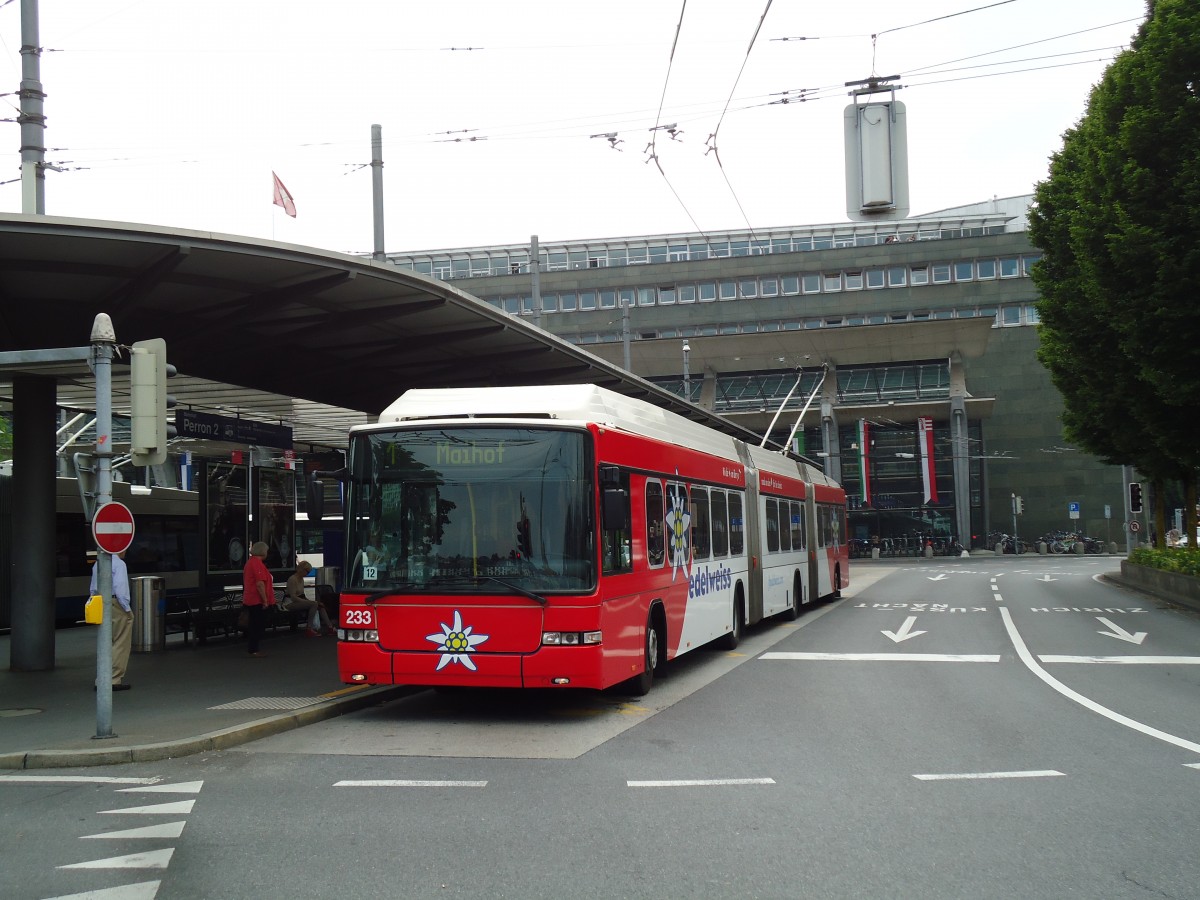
184	700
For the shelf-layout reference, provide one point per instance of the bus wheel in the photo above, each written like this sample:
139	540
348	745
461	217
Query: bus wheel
733	637
837	583
640	685
793	612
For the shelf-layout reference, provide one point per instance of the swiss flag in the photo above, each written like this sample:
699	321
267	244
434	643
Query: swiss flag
283	197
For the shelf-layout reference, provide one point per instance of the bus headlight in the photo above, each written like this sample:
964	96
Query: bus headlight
571	638
358	634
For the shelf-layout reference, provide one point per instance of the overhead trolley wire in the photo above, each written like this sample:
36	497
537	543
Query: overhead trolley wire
652	147
712	138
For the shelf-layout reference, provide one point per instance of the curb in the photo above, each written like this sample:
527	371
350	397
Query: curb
222	739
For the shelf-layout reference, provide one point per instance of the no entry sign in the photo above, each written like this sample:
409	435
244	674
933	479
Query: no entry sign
113	527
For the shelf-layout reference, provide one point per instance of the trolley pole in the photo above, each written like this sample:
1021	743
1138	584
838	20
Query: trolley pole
104	342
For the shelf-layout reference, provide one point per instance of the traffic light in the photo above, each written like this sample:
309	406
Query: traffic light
524	539
1020	506
1135	496
148	402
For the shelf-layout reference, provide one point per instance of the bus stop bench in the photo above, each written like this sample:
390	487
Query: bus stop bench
217	615
177	615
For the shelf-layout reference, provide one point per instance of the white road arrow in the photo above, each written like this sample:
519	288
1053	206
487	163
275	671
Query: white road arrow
1120	633
938	578
905	631
1047	578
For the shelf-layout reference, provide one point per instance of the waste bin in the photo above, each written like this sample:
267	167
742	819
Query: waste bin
326	580
149	602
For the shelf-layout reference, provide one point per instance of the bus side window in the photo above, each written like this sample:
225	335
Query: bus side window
772	525
737	532
618	543
785	525
720	524
656	547
700	525
797	526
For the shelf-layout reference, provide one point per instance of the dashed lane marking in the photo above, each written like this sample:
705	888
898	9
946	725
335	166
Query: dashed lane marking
968	776
885	657
409	783
700	782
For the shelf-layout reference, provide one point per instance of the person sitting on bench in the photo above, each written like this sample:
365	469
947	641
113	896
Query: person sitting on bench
317	620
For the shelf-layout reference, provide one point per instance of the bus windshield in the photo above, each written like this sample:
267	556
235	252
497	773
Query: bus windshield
446	510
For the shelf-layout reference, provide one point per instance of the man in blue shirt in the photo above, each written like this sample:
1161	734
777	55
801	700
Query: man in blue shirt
122	620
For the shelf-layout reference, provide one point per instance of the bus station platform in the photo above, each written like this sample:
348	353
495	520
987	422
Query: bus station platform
184	700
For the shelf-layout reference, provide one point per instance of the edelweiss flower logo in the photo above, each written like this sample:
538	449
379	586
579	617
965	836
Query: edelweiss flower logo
456	642
679	524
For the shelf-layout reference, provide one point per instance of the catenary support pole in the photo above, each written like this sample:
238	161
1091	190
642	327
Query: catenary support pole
535	279
377	190
32	116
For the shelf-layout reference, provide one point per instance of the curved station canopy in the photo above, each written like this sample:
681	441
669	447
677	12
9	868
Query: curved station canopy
271	331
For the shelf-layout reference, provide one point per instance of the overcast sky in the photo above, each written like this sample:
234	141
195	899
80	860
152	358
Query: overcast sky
175	112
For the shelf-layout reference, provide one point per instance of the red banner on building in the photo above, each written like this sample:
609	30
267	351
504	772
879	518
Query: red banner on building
928	471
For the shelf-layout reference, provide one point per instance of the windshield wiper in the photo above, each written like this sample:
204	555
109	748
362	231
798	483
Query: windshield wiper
375	596
537	598
475	579
398	586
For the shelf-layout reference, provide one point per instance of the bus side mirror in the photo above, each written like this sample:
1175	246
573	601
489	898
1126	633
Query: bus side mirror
314	492
615	508
314	497
614	499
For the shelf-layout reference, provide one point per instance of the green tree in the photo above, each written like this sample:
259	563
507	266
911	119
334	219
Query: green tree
1118	223
6	437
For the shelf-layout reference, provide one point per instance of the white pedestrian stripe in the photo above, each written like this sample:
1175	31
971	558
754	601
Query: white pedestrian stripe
886	657
165	830
1125	660
181	787
143	890
967	776
705	782
178	808
1192	765
153	859
409	783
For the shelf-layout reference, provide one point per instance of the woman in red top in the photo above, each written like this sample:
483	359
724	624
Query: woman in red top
258	592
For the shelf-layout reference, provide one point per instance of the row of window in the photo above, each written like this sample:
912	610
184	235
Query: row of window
482	263
768	286
855	384
716	529
1005	316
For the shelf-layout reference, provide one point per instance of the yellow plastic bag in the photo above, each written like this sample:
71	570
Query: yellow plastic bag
93	610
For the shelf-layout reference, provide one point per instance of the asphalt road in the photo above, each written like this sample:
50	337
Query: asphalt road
1001	728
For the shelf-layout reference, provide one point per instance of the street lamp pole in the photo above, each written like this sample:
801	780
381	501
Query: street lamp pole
687	377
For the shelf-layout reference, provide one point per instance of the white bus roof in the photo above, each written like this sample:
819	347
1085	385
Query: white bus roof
575	403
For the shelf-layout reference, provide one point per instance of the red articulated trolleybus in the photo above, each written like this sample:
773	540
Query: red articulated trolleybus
567	536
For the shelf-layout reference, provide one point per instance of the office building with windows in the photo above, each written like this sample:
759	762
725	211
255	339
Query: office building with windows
903	355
